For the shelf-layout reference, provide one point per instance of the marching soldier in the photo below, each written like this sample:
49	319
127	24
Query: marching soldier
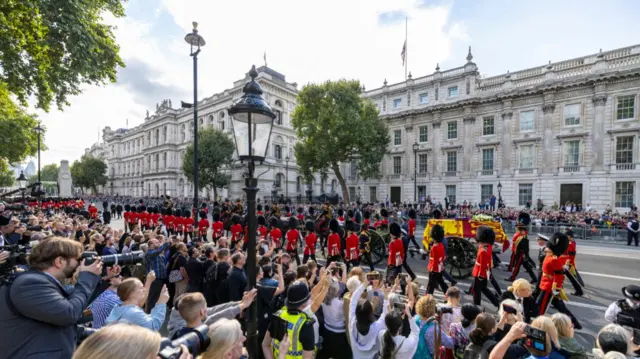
309	242
334	245
485	237
203	225
520	249
217	226
570	269
352	250
551	291
293	237
341	217
275	234
436	260
396	252
262	227
365	241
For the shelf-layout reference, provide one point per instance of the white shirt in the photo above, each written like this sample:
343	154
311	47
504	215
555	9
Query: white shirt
334	320
612	312
629	226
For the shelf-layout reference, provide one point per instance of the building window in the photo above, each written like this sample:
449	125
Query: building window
451	193
397	165
422	163
278	118
299	184
424	98
487	159
526	157
453	91
452	161
525	193
626	107
452	130
424	133
624	153
572	114
353	168
397	137
486	190
397	103
279	180
526	121
373	197
488	126
277	152
572	153
624	194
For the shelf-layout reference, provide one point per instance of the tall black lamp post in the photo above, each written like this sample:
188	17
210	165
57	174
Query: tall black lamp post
416	146
23	182
499	194
252	123
196	41
39	130
286	178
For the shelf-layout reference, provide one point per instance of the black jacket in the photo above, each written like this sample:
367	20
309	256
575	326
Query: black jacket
529	306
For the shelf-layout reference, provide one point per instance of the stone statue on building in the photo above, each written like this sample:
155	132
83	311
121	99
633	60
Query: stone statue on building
147	114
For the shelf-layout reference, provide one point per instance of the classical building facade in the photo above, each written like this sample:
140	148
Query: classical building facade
565	131
146	160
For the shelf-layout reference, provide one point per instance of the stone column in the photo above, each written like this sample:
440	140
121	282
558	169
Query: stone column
436	148
547	138
597	137
507	142
468	121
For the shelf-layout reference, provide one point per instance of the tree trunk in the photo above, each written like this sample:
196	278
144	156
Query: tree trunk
343	184
215	193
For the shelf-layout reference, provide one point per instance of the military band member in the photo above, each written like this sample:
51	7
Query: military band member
236	230
365	244
217	226
485	237
275	234
436	260
309	242
352	244
521	249
396	252
570	265
293	238
203	225
334	246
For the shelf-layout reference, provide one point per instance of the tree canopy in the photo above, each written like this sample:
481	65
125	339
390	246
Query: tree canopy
48	173
215	155
48	49
335	125
89	172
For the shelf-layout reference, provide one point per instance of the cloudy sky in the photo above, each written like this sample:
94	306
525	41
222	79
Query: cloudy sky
331	39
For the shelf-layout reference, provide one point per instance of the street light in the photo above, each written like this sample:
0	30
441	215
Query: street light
252	120
196	41
416	146
39	130
286	177
23	182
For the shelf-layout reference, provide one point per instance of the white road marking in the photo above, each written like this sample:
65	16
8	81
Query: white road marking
610	276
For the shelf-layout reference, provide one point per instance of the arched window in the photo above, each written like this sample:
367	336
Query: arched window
279	180
157	190
277	152
157	136
334	184
211	120
222	125
278	119
201	121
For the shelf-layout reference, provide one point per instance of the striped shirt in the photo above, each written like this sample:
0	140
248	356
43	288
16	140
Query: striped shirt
102	306
157	262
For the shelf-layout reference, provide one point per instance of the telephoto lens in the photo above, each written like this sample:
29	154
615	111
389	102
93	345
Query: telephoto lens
123	259
196	342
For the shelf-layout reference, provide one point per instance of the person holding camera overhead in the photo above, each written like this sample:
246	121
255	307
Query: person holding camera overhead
37	306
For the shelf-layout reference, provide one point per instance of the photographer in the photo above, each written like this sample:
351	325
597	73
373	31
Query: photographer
432	335
37	306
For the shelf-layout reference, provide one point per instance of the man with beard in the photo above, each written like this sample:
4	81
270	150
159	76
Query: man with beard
37	306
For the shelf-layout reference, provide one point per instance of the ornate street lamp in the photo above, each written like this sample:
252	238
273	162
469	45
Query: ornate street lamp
252	120
416	146
23	182
196	41
40	131
286	178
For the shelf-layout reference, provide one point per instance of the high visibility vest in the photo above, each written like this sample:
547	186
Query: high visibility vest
294	325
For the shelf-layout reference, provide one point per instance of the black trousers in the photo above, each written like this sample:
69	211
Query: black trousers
306	257
546	298
632	236
479	288
294	255
574	282
523	260
435	278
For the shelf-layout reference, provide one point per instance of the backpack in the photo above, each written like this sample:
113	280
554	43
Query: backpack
423	351
474	351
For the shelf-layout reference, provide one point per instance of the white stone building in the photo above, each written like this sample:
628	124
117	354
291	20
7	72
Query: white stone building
146	160
565	131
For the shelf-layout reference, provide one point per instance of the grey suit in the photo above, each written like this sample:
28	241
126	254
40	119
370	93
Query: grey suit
45	323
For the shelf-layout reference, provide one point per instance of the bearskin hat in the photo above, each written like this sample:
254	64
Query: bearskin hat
412	213
437	214
186	213
340	212
216	216
384	212
485	234
350	213
300	210
203	214
349	225
235	219
312	210
558	243
266	208
286	209
310	226
177	212
437	233
293	223
259	207
395	229
333	225
524	219
273	222
366	214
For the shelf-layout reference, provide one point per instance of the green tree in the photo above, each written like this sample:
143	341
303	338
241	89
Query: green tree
48	173
215	155
50	48
335	125
89	172
7	177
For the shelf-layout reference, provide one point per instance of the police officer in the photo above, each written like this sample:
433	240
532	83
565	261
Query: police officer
293	321
633	230
626	311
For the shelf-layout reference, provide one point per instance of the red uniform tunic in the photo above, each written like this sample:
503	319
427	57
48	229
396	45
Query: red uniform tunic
292	240
178	223
570	253
551	271
133	218
310	243
235	230
188	224
436	258
377	224
276	236
300	217
262	230
412	226
144	218
396	250
170	221
93	211
367	222
218	228
203	226
352	250
482	268
333	243
156	218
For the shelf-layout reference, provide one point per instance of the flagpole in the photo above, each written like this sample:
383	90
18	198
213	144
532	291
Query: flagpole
406	51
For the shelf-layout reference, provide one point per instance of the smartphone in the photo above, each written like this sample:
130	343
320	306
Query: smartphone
278	328
373	276
400	306
535	338
403	278
509	309
636	336
335	270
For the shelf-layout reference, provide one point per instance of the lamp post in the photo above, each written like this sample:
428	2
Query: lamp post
286	178
499	194
252	123
39	130
416	146
23	182
196	41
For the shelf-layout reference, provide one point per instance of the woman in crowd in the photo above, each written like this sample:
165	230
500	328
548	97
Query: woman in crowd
364	326
565	336
482	338
133	293
352	284
459	331
520	291
545	324
429	327
177	271
612	338
334	335
453	301
226	340
507	318
393	345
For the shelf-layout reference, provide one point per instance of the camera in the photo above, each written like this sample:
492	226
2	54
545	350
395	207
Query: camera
373	276
134	257
401	303
403	278
195	340
17	256
509	309
83	333
536	338
444	310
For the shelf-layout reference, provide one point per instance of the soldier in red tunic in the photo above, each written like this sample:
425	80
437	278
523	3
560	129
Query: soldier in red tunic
262	228
521	230
436	260
569	260
396	252
310	242
521	250
203	225
334	246
485	237
275	234
217	226
352	250
293	238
